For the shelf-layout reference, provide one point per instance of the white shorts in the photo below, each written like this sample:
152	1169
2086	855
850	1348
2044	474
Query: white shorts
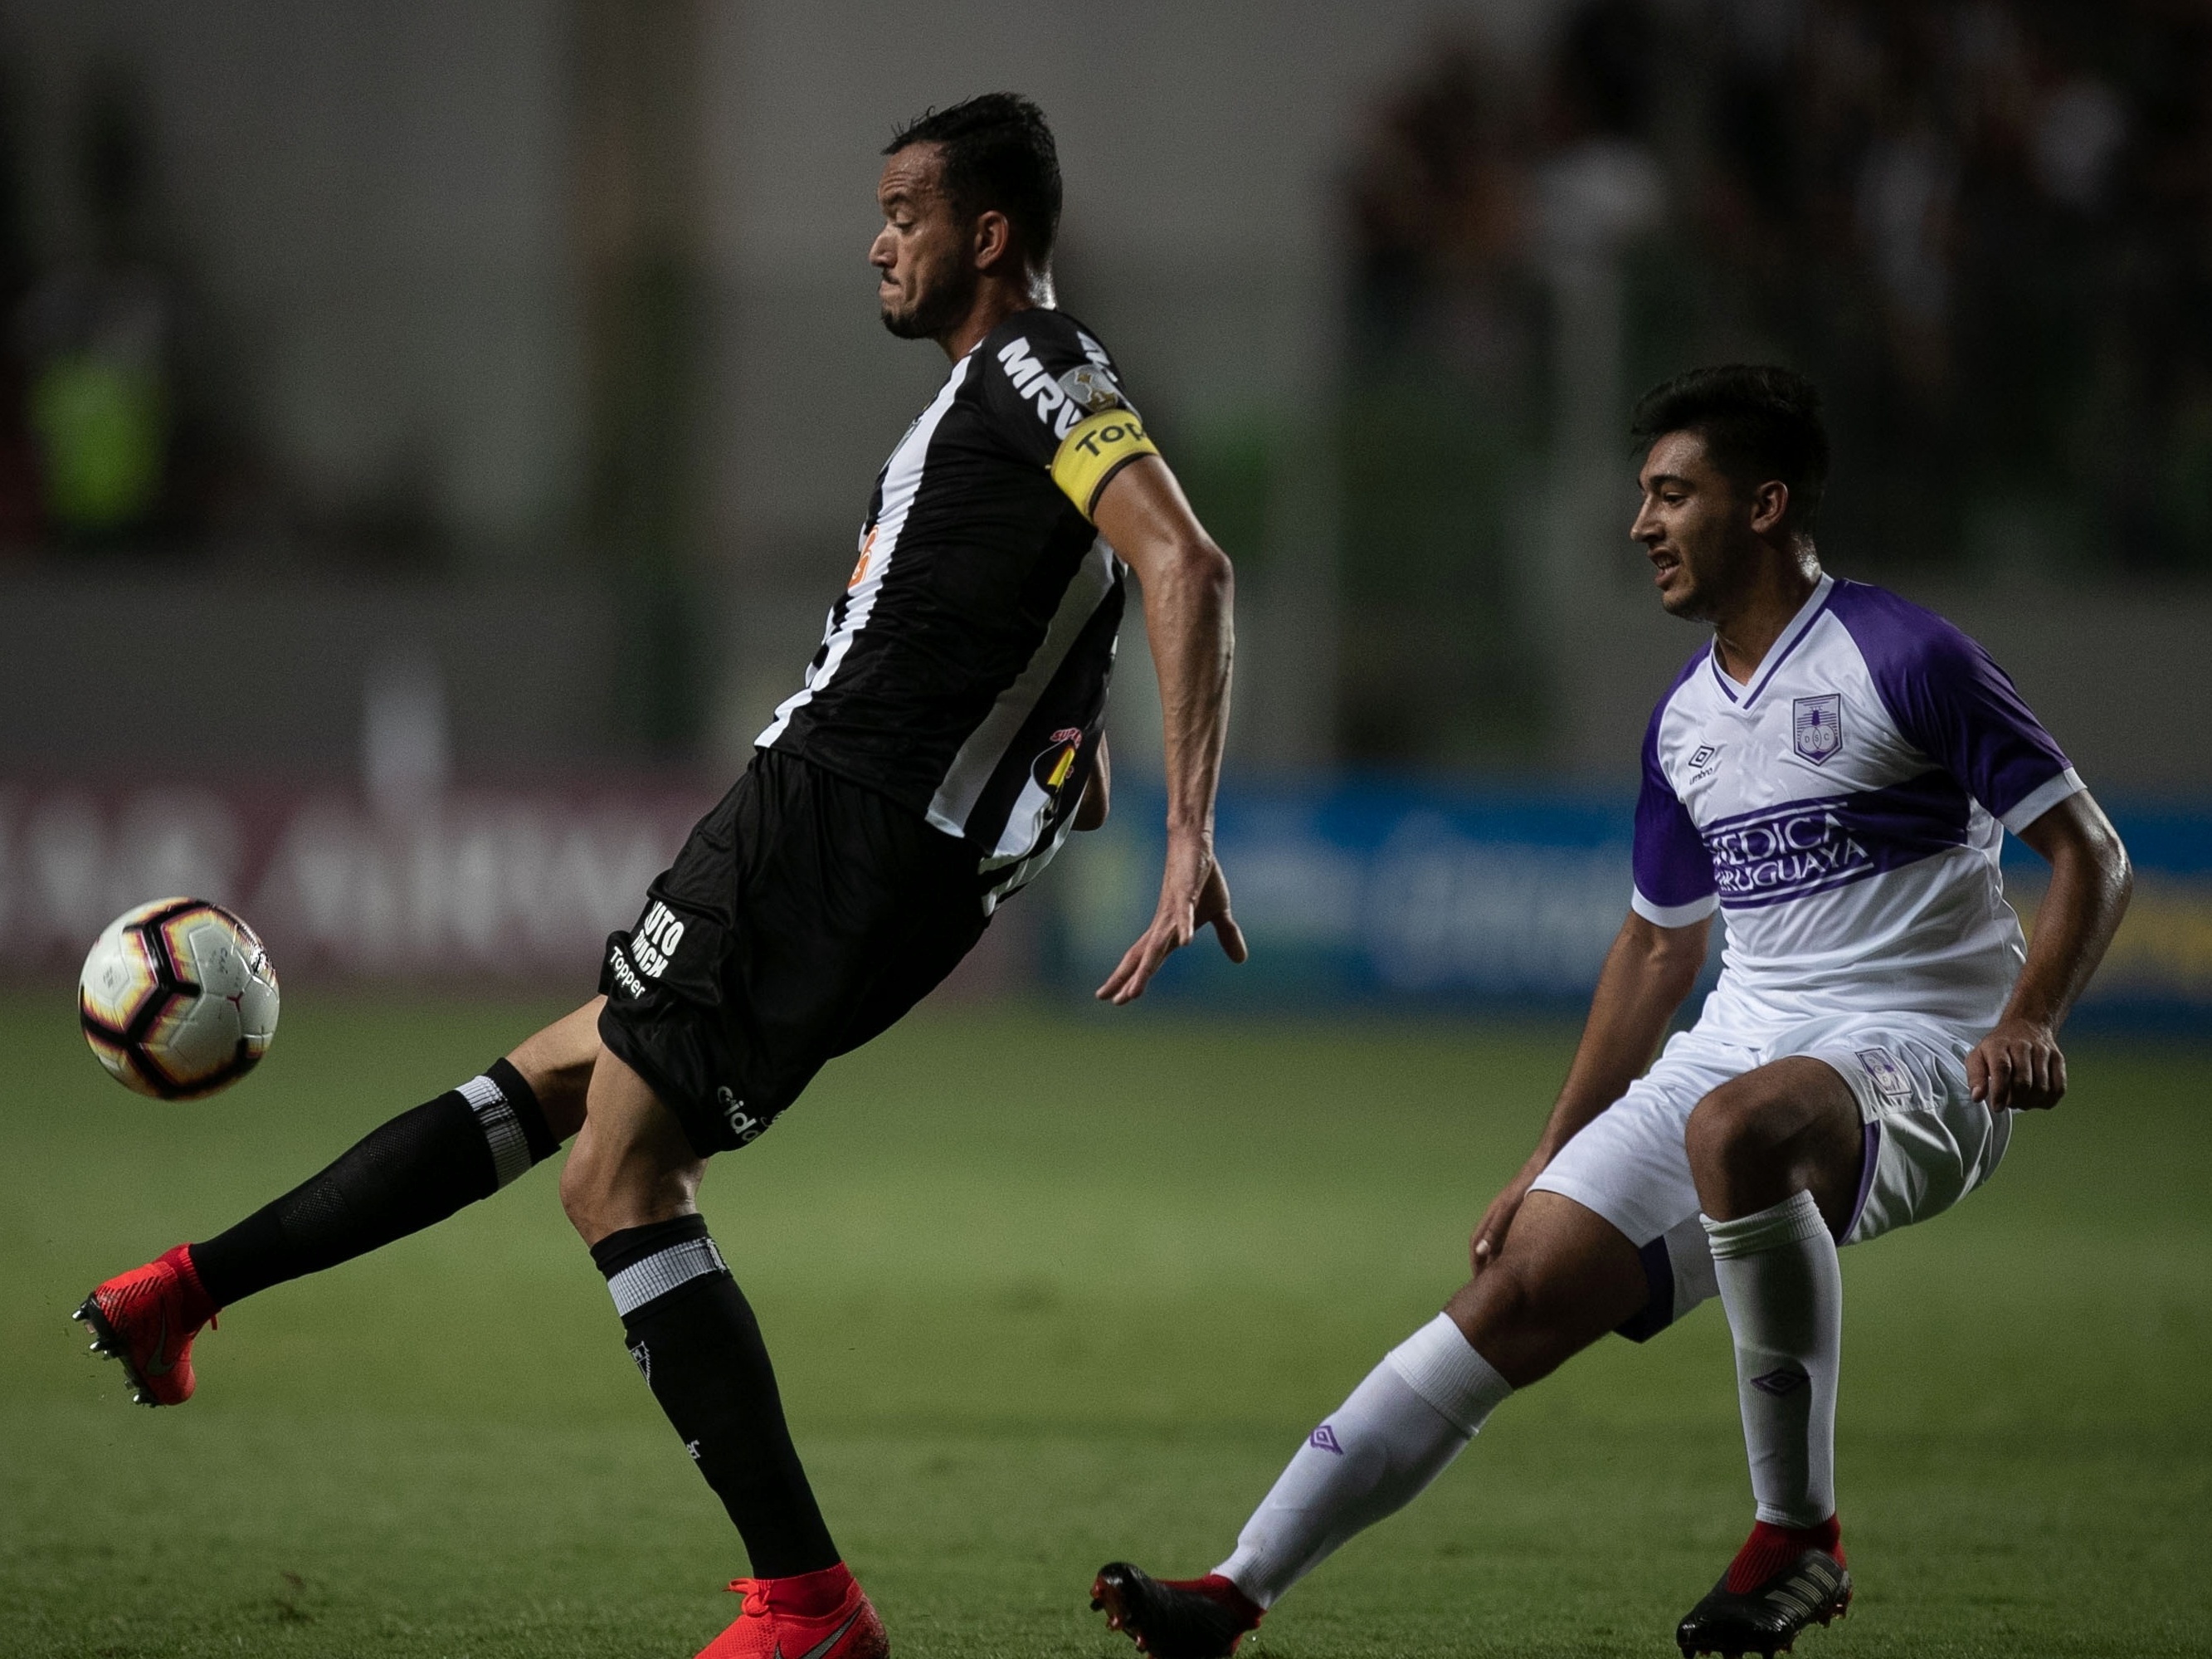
1928	1142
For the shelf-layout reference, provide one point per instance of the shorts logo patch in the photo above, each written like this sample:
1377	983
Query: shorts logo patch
653	946
743	1124
1783	1379
1816	726
642	1357
625	976
1889	1078
1324	1438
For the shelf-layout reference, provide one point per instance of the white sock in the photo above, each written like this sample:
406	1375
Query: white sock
1784	1291
1374	1454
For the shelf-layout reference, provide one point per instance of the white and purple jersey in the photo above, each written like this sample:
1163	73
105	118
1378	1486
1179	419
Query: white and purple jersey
1842	812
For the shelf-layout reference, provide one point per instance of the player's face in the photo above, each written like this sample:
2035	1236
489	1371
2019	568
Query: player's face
925	275
1696	528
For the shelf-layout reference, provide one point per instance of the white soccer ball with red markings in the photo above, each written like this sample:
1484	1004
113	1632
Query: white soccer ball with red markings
178	999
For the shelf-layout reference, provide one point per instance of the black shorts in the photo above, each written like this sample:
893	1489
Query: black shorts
805	914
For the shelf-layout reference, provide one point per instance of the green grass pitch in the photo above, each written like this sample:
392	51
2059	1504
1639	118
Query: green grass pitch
1043	1293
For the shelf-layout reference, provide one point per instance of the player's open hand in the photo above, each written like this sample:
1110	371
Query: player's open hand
2017	1067
1485	1244
1193	894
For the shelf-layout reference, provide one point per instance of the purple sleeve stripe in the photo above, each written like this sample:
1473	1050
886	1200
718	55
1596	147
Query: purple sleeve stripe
1671	866
1946	696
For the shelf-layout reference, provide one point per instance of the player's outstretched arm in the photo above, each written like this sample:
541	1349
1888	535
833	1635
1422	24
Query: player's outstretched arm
1647	974
1189	592
2018	1065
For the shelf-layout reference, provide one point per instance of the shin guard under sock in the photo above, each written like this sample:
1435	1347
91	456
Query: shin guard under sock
693	1338
1411	1415
1784	1291
416	1169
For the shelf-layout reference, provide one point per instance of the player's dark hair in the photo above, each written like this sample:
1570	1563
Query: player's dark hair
999	153
1758	421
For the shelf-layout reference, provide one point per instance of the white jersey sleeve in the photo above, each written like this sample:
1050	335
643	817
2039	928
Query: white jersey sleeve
1956	705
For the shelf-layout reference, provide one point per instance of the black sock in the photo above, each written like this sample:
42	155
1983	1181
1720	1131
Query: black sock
416	1169
693	1336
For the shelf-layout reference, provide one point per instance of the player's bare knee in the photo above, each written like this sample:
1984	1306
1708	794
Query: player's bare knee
1733	1129
1509	1303
613	1182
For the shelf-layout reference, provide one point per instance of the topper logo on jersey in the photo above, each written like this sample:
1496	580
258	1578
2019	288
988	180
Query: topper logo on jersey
1795	849
1816	726
655	940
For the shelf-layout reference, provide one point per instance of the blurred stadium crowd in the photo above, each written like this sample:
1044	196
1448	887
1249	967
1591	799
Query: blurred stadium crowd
1983	226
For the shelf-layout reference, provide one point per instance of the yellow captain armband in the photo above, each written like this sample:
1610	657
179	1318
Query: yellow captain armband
1094	450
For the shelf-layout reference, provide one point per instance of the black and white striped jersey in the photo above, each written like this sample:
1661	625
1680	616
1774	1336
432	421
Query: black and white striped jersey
963	671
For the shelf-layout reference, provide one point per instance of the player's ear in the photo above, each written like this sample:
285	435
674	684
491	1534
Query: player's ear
1770	505
994	238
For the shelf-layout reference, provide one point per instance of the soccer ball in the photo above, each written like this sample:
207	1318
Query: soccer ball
178	999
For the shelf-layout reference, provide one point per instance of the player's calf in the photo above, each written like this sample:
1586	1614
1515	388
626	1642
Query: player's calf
403	1176
1789	1126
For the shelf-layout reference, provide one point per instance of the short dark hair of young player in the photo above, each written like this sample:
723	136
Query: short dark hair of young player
999	153
1759	422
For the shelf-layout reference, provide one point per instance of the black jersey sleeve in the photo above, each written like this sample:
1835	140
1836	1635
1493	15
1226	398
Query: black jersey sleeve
1055	396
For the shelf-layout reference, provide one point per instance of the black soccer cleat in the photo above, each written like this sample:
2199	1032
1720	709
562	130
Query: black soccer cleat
1174	1619
1811	1591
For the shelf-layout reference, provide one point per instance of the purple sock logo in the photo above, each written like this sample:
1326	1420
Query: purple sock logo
1786	1379
1325	1438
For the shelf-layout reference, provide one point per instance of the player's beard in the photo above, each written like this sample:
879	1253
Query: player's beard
942	298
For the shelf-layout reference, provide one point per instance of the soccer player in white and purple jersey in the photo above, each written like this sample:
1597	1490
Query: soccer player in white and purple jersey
1834	773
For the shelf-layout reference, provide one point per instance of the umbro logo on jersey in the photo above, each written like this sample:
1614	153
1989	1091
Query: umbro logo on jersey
1705	761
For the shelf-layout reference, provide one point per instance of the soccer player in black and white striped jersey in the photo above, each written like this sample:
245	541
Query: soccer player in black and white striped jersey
947	736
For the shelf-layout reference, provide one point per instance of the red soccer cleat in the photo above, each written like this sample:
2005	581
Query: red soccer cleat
814	1615
145	1320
